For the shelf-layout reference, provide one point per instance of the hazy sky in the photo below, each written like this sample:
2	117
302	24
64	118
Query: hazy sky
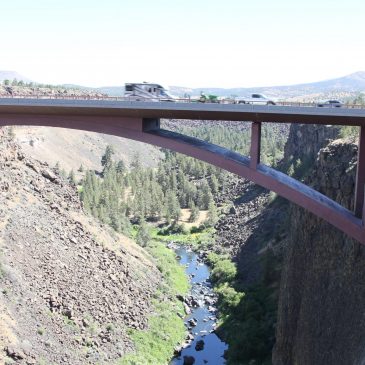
187	43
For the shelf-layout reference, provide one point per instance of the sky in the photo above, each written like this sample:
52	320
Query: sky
193	43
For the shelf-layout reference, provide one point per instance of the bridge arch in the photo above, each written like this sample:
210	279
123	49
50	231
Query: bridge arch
148	130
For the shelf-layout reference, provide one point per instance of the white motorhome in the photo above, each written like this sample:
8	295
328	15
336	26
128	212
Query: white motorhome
147	91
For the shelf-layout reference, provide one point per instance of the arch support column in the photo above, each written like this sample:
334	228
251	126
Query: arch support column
255	151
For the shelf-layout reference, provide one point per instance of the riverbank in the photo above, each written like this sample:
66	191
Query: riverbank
165	327
185	306
245	315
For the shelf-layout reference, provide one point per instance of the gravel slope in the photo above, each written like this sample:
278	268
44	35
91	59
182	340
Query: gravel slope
69	288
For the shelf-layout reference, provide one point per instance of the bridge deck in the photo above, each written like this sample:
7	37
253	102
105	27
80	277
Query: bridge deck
170	110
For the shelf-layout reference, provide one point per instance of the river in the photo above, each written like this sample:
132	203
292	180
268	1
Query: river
204	345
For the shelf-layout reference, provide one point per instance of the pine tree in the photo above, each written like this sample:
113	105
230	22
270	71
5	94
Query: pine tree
120	168
207	196
212	217
157	201
194	215
172	206
291	170
214	184
139	205
173	182
115	222
11	133
71	177
136	161
106	159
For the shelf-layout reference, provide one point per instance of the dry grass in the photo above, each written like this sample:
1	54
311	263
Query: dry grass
54	145
185	215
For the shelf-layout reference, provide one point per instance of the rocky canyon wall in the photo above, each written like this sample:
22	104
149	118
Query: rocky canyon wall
321	316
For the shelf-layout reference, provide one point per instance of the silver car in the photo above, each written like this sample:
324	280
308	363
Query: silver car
256	99
330	104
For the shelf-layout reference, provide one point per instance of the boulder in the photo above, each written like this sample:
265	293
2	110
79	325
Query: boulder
189	360
199	345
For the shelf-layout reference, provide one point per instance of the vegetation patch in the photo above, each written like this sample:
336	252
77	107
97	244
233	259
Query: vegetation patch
176	280
350	132
247	316
154	346
248	325
165	328
199	238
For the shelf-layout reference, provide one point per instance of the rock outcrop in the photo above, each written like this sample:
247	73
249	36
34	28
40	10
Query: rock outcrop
257	221
321	318
305	140
69	287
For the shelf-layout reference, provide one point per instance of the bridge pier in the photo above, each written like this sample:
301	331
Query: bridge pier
360	178
255	152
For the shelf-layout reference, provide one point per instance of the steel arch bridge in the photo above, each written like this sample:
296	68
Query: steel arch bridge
140	121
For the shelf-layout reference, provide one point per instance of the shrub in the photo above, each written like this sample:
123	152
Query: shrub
229	298
195	229
143	234
224	271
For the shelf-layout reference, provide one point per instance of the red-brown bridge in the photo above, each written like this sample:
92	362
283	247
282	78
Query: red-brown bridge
141	121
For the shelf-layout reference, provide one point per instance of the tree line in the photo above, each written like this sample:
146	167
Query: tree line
119	196
16	82
238	138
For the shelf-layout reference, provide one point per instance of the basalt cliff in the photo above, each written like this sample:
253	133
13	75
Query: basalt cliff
321	317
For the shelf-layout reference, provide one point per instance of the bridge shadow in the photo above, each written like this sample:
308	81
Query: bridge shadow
252	192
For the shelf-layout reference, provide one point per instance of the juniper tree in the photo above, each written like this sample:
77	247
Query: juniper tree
143	235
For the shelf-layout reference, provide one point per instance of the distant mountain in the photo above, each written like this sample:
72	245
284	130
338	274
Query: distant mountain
74	86
11	75
112	90
351	84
